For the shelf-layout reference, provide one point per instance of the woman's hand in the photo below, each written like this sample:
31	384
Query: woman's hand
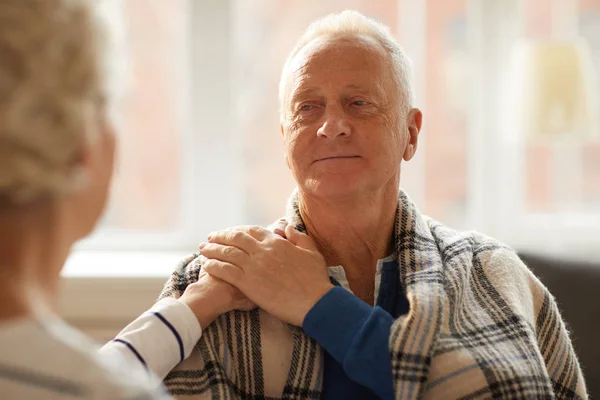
284	277
210	297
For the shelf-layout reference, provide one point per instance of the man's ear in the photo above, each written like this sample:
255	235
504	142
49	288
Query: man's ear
287	160
414	121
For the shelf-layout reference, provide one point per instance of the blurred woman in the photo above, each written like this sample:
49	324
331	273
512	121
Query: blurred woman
60	77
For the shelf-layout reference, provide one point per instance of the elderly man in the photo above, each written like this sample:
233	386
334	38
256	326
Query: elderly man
376	300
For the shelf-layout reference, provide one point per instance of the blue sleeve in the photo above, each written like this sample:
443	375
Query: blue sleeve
356	335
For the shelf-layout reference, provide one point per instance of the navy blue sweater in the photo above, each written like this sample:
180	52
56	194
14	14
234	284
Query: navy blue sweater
355	338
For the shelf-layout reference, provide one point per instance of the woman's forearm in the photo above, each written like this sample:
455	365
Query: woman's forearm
159	339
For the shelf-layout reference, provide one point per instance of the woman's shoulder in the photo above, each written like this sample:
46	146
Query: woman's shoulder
52	360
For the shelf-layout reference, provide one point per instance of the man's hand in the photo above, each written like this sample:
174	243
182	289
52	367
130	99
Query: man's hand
284	277
210	297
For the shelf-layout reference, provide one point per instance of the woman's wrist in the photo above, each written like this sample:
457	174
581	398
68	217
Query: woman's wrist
206	311
209	298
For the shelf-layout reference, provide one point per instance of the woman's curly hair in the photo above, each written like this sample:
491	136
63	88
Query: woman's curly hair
59	66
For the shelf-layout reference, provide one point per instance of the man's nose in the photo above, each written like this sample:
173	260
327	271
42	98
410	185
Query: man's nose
335	124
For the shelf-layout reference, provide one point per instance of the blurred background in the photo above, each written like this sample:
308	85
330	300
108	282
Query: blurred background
510	143
509	90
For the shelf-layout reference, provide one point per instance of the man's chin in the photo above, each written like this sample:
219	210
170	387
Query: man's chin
333	188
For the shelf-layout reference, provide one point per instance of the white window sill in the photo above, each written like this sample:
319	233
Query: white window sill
571	236
103	291
122	264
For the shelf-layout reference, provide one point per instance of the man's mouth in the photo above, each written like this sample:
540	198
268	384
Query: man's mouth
332	158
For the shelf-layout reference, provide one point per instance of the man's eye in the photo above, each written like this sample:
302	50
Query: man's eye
306	107
359	103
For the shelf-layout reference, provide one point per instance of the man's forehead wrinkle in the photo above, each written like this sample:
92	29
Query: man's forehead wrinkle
302	67
300	70
332	50
313	50
300	77
302	63
301	73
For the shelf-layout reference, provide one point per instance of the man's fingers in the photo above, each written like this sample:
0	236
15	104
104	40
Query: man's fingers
235	237
257	232
278	227
201	273
299	239
224	271
228	254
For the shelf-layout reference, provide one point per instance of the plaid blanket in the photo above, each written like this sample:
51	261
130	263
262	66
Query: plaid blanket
480	325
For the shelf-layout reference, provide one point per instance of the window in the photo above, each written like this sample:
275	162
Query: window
555	203
147	201
555	184
201	148
445	106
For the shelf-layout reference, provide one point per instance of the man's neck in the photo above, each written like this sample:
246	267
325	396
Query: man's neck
355	231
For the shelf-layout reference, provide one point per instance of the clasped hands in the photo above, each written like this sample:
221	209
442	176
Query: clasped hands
281	272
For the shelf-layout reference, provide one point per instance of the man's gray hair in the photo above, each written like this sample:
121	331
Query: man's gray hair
352	23
60	63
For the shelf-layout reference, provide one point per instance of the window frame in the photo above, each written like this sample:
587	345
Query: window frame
208	104
569	234
493	28
98	276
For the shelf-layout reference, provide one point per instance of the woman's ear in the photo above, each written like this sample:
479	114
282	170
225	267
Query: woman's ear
414	122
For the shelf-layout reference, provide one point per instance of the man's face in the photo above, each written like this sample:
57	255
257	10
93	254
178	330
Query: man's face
343	128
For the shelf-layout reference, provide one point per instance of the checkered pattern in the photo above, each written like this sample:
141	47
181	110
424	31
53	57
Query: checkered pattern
480	325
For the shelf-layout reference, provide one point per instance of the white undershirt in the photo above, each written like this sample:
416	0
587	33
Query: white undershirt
339	274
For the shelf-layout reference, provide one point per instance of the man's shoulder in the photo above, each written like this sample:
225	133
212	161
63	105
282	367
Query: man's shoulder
484	258
469	240
488	252
184	273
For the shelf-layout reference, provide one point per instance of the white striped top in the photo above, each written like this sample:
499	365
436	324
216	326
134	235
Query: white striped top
46	359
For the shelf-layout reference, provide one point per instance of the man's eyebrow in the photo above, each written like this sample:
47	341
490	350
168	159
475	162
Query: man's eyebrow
377	92
302	92
354	87
362	89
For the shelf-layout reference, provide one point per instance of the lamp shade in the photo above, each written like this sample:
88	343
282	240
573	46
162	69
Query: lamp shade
555	88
